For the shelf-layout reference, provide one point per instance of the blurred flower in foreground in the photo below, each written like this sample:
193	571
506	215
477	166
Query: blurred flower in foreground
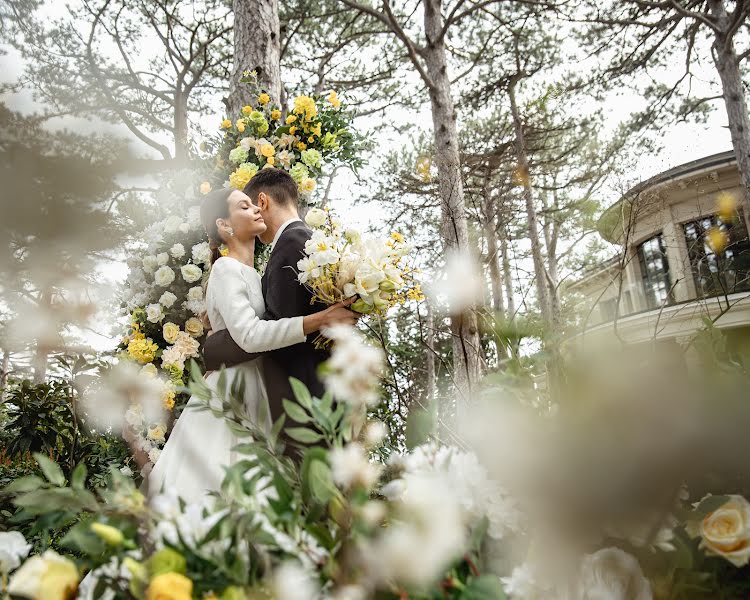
292	582
726	206
13	547
613	574
725	531
459	285
45	577
717	239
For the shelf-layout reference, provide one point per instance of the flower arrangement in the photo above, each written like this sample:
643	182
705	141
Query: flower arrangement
302	139
341	264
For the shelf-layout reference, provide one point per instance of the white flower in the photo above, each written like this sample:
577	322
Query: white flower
351	467
393	490
247	143
350	592
522	583
354	367
285	158
315	217
187	345
167	299
127	471
194	217
459	285
173	356
154	455
292	582
194	327
195	293
191	273
367	280
725	532
202	253
46	577
150	263
375	433
197	307
13	547
307	270
156	434
353	236
162	258
612	574
154	313
164	276
177	251
171	224
184	228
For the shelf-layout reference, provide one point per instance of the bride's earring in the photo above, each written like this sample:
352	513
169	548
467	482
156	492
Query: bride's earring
231	231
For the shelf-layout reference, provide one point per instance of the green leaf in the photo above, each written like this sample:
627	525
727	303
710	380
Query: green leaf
24	484
296	412
486	587
51	469
321	482
708	505
301	393
78	478
304	435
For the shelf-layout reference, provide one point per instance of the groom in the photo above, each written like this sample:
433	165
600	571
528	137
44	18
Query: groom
275	193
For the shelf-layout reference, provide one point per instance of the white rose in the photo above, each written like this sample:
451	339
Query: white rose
162	258
368	278
164	276
150	263
613	574
202	253
154	455
47	576
184	227
726	531
194	327
191	273
13	547
195	293
154	313
197	307
316	217
167	299
178	250
170	332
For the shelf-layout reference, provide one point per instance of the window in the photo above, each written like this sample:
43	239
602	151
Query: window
717	274
652	255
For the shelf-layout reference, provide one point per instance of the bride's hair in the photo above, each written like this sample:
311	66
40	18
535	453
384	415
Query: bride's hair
215	206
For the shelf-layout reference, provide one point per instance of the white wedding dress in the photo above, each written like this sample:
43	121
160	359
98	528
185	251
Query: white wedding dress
200	445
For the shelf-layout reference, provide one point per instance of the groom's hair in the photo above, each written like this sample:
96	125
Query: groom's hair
277	183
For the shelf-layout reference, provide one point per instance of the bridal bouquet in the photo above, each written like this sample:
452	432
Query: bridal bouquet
341	264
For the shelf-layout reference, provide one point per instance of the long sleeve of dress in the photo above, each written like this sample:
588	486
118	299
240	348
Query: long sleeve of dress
232	298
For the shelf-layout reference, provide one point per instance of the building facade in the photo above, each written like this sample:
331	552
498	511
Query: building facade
684	257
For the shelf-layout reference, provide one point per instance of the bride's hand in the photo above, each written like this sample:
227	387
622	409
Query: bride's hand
333	315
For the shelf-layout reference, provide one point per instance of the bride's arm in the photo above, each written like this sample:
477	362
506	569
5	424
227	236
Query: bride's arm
232	298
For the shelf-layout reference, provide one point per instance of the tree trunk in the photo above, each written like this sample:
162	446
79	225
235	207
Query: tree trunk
510	301
551	235
430	355
4	368
256	48
727	64
467	351
180	127
523	176
41	352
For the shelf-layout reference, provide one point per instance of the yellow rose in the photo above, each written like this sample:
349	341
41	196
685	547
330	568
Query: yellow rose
302	146
311	139
240	125
267	150
292	130
275	114
264	99
291	119
226	124
170	586
205	187
270	161
307	185
247	109
170	331
726	531
194	327
334	100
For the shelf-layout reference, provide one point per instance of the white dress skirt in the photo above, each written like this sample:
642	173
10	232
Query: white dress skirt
201	444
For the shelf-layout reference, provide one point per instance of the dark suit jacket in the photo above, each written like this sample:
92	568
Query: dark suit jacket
285	297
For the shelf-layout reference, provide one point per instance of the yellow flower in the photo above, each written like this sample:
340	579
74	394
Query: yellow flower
167	399
205	187
138	335
307	185
397	237
226	124
109	534
240	125
291	119
247	109
311	139
334	100
316	130
224	251
415	293
302	146
267	150
170	331
194	327
170	586
292	130
275	114
717	240
305	106
726	204
726	531
244	173
264	99
270	161
144	351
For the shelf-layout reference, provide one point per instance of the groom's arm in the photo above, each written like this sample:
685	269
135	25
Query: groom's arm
220	349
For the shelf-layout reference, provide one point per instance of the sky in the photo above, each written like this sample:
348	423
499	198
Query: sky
682	143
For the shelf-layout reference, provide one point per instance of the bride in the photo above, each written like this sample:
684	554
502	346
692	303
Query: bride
192	462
